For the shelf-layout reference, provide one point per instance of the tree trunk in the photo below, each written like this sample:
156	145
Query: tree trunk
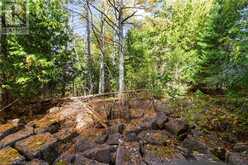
102	63
89	74
5	93
121	49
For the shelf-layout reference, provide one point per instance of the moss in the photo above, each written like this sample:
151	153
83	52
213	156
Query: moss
37	141
8	155
61	162
161	151
44	122
126	157
6	127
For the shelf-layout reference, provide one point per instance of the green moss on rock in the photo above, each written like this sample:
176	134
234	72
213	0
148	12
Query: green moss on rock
9	156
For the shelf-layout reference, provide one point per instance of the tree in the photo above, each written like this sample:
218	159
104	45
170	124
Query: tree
44	65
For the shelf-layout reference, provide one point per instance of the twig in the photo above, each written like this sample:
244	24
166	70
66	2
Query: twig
4	108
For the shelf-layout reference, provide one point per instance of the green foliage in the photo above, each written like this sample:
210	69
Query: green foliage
191	43
41	60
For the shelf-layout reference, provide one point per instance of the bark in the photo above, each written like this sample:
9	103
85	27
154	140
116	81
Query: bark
5	93
121	48
88	58
102	63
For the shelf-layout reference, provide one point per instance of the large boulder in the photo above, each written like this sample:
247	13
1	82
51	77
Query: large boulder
10	156
13	138
42	146
129	153
7	129
103	153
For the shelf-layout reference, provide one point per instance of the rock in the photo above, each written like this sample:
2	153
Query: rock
154	137
46	124
101	153
81	144
101	139
155	155
65	135
241	147
64	138
194	145
37	162
16	122
54	109
13	138
42	146
119	128
148	123
114	139
7	129
134	130
10	156
219	153
160	106
129	153
131	137
160	120
76	159
233	158
176	127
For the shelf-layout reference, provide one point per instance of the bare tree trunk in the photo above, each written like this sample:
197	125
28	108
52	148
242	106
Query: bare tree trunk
121	48
102	63
89	74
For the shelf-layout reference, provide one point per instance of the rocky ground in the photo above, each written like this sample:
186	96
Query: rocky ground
99	132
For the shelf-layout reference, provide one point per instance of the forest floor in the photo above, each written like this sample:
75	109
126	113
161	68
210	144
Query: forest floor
78	131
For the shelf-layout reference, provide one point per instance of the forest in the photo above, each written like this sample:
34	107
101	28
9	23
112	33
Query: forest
125	82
